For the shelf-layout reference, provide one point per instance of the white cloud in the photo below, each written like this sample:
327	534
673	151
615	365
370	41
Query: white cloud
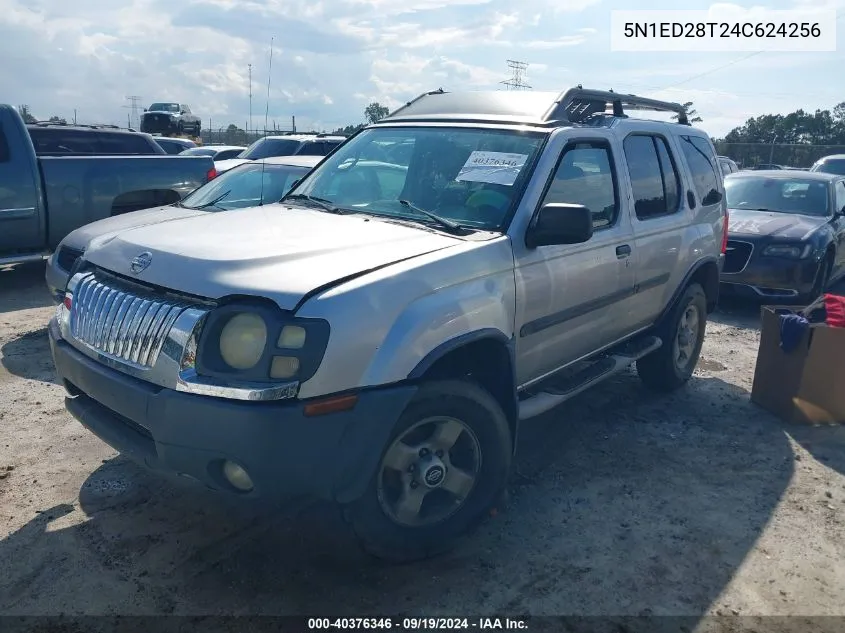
332	57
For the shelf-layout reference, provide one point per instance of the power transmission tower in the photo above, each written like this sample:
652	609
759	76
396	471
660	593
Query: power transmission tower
134	115
517	74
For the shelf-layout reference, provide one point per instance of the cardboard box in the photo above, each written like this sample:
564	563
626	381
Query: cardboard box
806	385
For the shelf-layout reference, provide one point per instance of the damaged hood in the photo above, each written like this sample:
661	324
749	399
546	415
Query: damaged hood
763	223
274	251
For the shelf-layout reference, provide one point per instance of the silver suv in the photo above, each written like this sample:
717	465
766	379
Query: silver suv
376	338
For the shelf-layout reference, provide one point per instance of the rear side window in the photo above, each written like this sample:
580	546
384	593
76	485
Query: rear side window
124	144
317	148
585	176
834	166
654	176
61	141
701	161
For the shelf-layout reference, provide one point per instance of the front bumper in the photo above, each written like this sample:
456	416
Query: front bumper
153	125
767	277
285	453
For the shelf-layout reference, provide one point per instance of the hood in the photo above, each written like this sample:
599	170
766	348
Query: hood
275	251
83	236
762	223
226	165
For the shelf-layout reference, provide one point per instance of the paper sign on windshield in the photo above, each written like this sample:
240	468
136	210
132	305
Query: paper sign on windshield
496	168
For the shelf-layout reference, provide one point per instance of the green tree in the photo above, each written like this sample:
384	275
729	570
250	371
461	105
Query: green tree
26	114
692	115
375	112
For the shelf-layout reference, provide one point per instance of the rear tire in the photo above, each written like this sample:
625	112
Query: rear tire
409	511
671	365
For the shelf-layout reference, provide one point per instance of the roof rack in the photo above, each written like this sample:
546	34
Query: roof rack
579	104
439	91
92	126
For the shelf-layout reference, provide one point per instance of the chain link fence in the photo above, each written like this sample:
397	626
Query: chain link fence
749	155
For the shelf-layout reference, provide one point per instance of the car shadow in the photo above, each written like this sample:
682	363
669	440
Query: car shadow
644	508
22	287
28	356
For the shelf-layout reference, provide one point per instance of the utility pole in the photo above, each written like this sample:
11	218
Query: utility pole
74	116
293	123
517	74
250	97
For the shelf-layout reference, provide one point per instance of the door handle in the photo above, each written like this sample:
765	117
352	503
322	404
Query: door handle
623	251
691	199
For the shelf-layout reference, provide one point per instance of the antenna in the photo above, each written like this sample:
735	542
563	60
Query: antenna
134	115
250	97
269	76
266	113
518	72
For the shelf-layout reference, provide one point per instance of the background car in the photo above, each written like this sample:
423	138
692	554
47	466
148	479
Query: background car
834	164
286	145
58	139
727	165
217	152
170	118
174	145
260	182
785	234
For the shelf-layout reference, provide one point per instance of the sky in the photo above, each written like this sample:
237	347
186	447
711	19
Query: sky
330	58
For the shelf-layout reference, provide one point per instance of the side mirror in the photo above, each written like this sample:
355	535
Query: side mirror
714	197
145	109
560	223
181	112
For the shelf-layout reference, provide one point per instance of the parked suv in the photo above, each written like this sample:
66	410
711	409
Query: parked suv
55	139
377	337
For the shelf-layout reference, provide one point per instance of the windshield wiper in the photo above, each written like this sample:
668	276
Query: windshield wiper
213	202
320	202
447	224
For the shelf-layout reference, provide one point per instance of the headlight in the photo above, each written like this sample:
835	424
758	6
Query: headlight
786	250
243	340
257	342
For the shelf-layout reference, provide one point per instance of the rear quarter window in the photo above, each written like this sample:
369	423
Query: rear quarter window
702	164
125	144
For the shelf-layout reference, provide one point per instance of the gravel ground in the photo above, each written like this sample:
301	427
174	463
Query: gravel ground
623	503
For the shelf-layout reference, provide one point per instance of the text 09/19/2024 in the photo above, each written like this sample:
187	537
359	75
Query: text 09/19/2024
742	30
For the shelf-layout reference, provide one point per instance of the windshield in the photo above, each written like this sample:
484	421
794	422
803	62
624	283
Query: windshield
267	147
469	176
198	151
836	166
782	195
244	186
164	107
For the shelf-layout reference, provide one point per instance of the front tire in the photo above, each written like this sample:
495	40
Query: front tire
671	365
444	468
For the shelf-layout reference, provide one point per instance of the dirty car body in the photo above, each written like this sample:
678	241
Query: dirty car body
376	338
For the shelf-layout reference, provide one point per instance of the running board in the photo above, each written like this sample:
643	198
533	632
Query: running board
573	381
23	258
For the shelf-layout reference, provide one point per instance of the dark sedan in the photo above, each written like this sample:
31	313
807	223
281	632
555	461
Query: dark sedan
786	235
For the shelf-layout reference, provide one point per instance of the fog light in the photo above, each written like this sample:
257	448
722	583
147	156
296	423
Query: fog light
284	367
237	476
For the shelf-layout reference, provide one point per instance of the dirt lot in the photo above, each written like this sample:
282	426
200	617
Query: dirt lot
623	503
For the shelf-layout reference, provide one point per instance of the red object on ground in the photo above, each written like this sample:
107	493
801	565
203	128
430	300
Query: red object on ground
834	305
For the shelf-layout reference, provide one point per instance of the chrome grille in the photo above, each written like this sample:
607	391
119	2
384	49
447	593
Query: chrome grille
125	324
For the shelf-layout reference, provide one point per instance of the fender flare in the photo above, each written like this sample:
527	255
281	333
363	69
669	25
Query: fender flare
457	342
